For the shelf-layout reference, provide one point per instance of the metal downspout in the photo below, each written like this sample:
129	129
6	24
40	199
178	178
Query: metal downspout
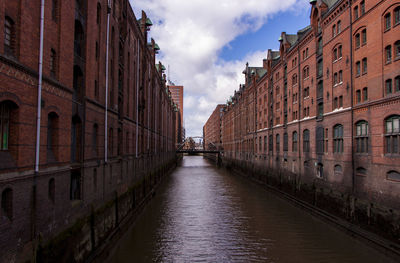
106	99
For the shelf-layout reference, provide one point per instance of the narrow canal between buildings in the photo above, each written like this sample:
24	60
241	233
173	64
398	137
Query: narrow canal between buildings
204	214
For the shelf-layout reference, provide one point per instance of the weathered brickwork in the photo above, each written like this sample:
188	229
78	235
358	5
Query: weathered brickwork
322	113
75	177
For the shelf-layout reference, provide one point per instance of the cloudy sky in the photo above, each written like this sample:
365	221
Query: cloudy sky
206	44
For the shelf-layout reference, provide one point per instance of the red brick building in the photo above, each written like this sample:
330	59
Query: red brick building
177	98
212	130
322	115
97	137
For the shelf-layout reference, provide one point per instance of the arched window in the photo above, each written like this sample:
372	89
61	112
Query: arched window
339	26
306	141
397	15
320	68
7	203
278	143
388	54
364	36
397	83
52	136
294	141
387	21
361	171
333	30
362	137
75	186
364	66
393	175
335	54
337	170
355	12
338	138
285	142
294	79
320	139
340	51
9	36
357	40
52	190
392	134
397	49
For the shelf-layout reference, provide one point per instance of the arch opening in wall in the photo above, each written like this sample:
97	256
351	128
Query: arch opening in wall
7	203
393	176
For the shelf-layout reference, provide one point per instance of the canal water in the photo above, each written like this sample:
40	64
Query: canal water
204	214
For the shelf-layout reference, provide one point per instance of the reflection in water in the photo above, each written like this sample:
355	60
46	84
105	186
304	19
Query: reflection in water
203	214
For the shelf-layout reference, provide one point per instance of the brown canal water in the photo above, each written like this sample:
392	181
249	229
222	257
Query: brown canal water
204	214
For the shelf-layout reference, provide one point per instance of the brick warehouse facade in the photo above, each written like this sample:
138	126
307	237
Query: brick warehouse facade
212	130
321	118
84	160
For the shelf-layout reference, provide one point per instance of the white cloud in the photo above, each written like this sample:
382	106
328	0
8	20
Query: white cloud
191	34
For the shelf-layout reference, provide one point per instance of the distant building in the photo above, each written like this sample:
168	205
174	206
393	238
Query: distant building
212	130
177	97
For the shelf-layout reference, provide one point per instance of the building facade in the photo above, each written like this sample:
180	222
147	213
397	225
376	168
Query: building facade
212	130
177	98
106	117
323	112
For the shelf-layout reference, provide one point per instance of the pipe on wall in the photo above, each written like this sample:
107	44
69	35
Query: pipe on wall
106	97
39	101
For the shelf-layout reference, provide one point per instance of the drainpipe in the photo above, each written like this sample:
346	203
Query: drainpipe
137	96
106	100
37	158
351	101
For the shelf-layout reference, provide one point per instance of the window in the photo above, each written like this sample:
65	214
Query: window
306	92
357	41
320	140
270	143
75	187
9	36
392	134
294	79
340	101
265	143
335	103
306	72
362	137
397	49
294	142
339	26
335	55
337	169
4	125
338	138
362	8
340	51
7	203
388	85
278	143
320	170
397	83
306	141
388	54
98	18
52	123
364	65
361	171
333	30
319	68
364	36
260	144
358	96
95	139
358	68
397	15
335	78
52	190
76	139
365	94
277	90
319	47
320	112
355	12
54	10
53	62
285	142
393	176
340	76
387	21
